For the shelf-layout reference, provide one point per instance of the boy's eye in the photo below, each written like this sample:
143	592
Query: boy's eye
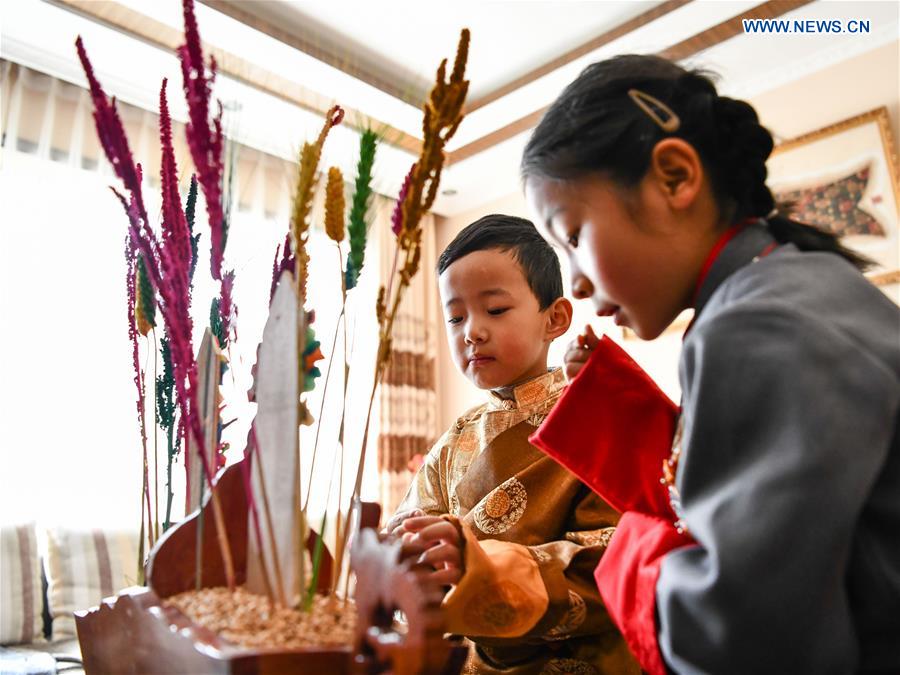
497	311
573	239
454	319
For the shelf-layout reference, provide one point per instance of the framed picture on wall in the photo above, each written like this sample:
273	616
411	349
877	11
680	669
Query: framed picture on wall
844	178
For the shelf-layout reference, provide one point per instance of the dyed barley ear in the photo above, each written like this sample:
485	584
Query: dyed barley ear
303	196
145	307
441	116
356	226
334	205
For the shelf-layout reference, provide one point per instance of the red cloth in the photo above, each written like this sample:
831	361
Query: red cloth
613	427
627	575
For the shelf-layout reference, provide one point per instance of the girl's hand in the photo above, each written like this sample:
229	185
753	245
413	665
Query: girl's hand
437	542
395	524
580	350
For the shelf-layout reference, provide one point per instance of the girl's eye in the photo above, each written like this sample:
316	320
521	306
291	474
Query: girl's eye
498	311
573	239
454	320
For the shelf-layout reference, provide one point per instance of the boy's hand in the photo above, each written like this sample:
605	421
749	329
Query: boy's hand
395	524
437	542
580	350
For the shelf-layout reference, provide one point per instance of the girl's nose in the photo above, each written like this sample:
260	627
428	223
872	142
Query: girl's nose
581	287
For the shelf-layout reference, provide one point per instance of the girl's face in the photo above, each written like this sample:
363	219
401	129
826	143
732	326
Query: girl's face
627	250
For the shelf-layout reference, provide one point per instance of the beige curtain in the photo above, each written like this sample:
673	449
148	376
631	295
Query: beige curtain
408	405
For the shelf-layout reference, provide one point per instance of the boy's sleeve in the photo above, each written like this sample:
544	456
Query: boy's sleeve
427	490
544	592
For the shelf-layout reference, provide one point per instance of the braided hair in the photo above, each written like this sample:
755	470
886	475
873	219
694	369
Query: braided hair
594	126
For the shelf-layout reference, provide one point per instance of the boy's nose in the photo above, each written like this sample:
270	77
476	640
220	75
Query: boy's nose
475	334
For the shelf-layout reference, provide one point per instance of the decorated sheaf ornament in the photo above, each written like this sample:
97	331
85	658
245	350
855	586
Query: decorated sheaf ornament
670	472
501	508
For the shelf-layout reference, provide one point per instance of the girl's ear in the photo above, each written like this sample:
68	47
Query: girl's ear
676	169
559	318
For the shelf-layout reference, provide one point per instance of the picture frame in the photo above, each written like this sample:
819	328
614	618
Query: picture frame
844	178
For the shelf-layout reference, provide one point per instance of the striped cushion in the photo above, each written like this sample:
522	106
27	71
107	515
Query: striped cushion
83	567
20	584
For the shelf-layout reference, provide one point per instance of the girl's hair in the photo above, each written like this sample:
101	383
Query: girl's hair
609	119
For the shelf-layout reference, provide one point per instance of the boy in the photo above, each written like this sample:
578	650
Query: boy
517	535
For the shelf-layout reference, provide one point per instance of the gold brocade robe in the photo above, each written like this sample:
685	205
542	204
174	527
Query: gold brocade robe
533	537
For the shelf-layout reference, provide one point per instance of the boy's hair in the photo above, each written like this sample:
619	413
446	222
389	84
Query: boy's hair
535	256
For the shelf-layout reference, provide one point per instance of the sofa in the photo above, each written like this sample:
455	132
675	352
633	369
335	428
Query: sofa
48	573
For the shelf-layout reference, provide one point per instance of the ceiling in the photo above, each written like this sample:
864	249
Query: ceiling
286	62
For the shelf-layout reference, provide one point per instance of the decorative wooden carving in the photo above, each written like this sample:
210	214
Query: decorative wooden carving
133	633
171	568
387	581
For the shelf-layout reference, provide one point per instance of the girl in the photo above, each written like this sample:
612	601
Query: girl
768	540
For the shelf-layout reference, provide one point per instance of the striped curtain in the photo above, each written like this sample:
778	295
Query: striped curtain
408	405
52	119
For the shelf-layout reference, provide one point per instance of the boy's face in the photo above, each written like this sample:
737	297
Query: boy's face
497	332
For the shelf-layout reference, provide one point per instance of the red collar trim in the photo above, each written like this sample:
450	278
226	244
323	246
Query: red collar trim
716	251
714	254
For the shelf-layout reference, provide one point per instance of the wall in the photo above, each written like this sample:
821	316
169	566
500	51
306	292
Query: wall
854	86
849	88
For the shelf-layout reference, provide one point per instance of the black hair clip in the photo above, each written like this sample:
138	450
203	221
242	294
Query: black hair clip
650	104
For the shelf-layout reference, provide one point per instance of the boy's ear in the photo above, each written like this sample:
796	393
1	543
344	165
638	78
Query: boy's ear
559	318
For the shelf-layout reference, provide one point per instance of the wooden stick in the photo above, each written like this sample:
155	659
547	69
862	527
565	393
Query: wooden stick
299	343
223	538
146	476
140	560
155	441
279	580
251	504
198	551
321	409
211	439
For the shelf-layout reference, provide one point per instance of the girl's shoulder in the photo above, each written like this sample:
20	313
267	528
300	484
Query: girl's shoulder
796	300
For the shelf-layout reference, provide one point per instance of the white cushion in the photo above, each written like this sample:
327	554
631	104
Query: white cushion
21	599
83	567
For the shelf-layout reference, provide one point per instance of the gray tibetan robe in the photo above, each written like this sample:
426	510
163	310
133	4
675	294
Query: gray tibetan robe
790	475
